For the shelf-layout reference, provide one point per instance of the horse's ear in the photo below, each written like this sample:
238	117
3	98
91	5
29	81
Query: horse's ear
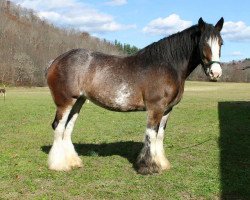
201	24
219	24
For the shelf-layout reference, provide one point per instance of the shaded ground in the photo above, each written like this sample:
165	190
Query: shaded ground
234	142
127	149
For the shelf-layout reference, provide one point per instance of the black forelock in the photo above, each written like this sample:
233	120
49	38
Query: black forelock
210	31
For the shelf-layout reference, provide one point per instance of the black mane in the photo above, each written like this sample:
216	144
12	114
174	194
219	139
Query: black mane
175	48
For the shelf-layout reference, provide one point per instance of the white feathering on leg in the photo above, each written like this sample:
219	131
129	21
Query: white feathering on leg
57	159
160	154
72	157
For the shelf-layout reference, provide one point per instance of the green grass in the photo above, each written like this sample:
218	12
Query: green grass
207	142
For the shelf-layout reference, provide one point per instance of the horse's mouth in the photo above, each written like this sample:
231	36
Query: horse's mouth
213	79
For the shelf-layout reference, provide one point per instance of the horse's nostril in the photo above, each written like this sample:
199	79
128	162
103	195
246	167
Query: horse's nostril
215	74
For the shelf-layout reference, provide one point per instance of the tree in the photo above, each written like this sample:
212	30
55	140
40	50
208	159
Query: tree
33	42
126	48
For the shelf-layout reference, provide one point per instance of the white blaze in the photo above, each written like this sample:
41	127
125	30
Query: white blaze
213	43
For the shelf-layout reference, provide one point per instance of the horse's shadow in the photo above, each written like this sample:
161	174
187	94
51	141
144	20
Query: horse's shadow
126	149
234	145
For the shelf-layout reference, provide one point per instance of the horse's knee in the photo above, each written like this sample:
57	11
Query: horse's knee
58	117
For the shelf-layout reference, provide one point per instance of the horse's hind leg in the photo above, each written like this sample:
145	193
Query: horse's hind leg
62	156
57	158
72	157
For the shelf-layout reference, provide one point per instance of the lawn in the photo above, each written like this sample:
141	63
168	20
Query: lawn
207	142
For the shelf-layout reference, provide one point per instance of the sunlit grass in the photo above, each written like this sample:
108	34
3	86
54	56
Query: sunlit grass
108	143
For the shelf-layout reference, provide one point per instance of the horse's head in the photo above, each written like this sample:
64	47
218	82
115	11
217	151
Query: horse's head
210	48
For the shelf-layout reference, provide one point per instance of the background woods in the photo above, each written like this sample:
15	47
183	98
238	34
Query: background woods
235	71
29	43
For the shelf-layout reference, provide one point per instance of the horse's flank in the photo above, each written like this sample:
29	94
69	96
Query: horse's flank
116	83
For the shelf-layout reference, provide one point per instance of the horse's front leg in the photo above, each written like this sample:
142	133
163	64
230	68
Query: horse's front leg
147	162
152	157
160	153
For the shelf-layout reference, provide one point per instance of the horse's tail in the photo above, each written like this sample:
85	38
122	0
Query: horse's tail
47	68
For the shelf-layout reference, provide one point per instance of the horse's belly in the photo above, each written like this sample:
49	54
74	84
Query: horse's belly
119	98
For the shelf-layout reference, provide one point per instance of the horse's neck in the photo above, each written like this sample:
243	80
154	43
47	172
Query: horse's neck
194	61
190	61
179	51
185	66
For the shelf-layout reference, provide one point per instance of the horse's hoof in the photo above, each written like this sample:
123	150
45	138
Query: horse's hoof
146	168
60	167
75	162
165	165
57	160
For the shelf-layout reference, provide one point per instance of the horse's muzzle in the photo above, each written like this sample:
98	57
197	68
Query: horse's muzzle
215	71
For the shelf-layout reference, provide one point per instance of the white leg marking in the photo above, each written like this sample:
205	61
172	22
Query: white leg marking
156	149
152	137
57	159
72	157
160	154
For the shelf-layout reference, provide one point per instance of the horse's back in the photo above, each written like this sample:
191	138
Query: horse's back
113	82
105	79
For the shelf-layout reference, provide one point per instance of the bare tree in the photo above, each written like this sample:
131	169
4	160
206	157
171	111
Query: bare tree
28	43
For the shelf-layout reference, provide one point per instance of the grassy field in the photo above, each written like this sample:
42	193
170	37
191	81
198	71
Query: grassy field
207	143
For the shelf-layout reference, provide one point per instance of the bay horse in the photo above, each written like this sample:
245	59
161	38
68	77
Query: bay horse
151	80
